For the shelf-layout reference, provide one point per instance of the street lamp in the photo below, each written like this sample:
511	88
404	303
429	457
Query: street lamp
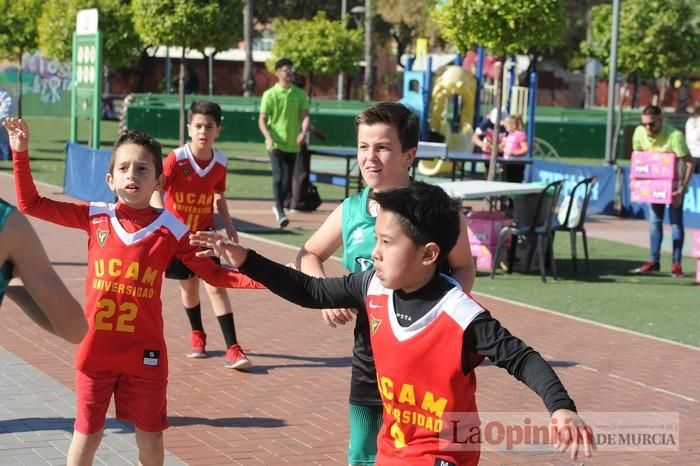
358	14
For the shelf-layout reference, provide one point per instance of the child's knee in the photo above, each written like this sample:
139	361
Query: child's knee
150	442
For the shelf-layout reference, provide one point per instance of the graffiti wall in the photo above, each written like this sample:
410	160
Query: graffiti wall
45	85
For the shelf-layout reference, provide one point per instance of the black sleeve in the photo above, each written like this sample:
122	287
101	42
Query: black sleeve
304	290
485	336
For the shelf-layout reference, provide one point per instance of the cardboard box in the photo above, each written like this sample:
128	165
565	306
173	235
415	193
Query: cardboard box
695	245
651	191
483	256
484	227
653	165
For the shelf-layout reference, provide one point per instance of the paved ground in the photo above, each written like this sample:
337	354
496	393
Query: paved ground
291	409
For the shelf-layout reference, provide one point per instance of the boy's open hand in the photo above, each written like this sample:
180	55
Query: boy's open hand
569	430
18	131
217	245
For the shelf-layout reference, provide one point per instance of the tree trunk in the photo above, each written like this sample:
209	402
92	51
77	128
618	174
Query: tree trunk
248	80
181	94
618	123
369	50
210	72
312	84
19	87
498	72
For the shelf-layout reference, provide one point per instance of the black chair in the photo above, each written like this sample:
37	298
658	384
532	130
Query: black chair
582	190
532	227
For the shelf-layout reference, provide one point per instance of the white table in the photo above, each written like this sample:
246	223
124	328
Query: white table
479	189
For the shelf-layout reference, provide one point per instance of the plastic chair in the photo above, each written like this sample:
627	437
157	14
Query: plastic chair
582	190
534	227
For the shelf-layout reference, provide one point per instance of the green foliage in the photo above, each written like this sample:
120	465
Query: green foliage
265	11
57	22
317	46
504	27
193	25
18	23
409	20
656	38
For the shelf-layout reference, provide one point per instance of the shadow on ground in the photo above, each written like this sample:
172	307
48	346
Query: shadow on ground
262	422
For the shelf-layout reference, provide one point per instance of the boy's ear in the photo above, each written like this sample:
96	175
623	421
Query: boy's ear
218	130
159	182
110	181
431	251
410	156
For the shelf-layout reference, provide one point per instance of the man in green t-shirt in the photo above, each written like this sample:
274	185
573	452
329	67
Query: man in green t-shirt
283	121
655	136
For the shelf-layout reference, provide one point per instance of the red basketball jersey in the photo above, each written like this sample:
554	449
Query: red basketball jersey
190	188
420	378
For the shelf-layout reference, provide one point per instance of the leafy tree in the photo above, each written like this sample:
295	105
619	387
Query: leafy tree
121	46
506	27
190	25
18	16
408	20
317	46
657	38
267	10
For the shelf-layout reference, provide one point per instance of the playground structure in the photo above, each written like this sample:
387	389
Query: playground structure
430	93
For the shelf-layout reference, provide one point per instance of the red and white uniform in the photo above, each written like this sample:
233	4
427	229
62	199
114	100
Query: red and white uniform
423	383
128	251
190	185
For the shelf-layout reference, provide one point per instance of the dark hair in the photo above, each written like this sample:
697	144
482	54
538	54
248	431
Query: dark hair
392	114
283	62
426	214
131	136
651	110
205	107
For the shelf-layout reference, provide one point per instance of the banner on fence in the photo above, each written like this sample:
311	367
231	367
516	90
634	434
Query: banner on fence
603	194
85	173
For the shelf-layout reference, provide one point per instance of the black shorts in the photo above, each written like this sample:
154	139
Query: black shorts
179	271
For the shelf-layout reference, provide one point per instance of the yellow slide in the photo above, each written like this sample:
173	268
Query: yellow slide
454	80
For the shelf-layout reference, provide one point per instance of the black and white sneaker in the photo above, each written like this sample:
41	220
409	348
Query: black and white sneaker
282	219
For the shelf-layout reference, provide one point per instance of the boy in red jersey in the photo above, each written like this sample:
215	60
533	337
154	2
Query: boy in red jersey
428	336
195	182
130	244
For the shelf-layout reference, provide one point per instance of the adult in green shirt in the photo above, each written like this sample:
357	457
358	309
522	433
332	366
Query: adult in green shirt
283	122
653	135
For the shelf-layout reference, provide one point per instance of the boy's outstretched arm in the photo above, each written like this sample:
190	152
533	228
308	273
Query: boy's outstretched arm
290	284
487	337
29	201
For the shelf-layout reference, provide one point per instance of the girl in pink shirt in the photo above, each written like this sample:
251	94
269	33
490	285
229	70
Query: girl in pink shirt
514	145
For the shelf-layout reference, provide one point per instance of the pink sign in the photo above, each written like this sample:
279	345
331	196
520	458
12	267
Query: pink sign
483	256
484	227
695	249
654	165
651	191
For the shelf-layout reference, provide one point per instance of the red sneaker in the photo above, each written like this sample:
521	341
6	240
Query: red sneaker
236	359
647	267
198	343
676	270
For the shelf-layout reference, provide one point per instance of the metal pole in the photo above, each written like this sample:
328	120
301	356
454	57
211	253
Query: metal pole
341	75
612	72
479	82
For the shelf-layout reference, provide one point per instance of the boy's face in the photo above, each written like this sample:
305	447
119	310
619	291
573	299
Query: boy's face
382	162
134	176
203	131
398	262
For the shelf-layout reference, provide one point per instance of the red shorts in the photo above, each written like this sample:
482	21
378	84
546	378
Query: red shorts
138	400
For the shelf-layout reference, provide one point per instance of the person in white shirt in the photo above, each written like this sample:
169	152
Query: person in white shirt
692	135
